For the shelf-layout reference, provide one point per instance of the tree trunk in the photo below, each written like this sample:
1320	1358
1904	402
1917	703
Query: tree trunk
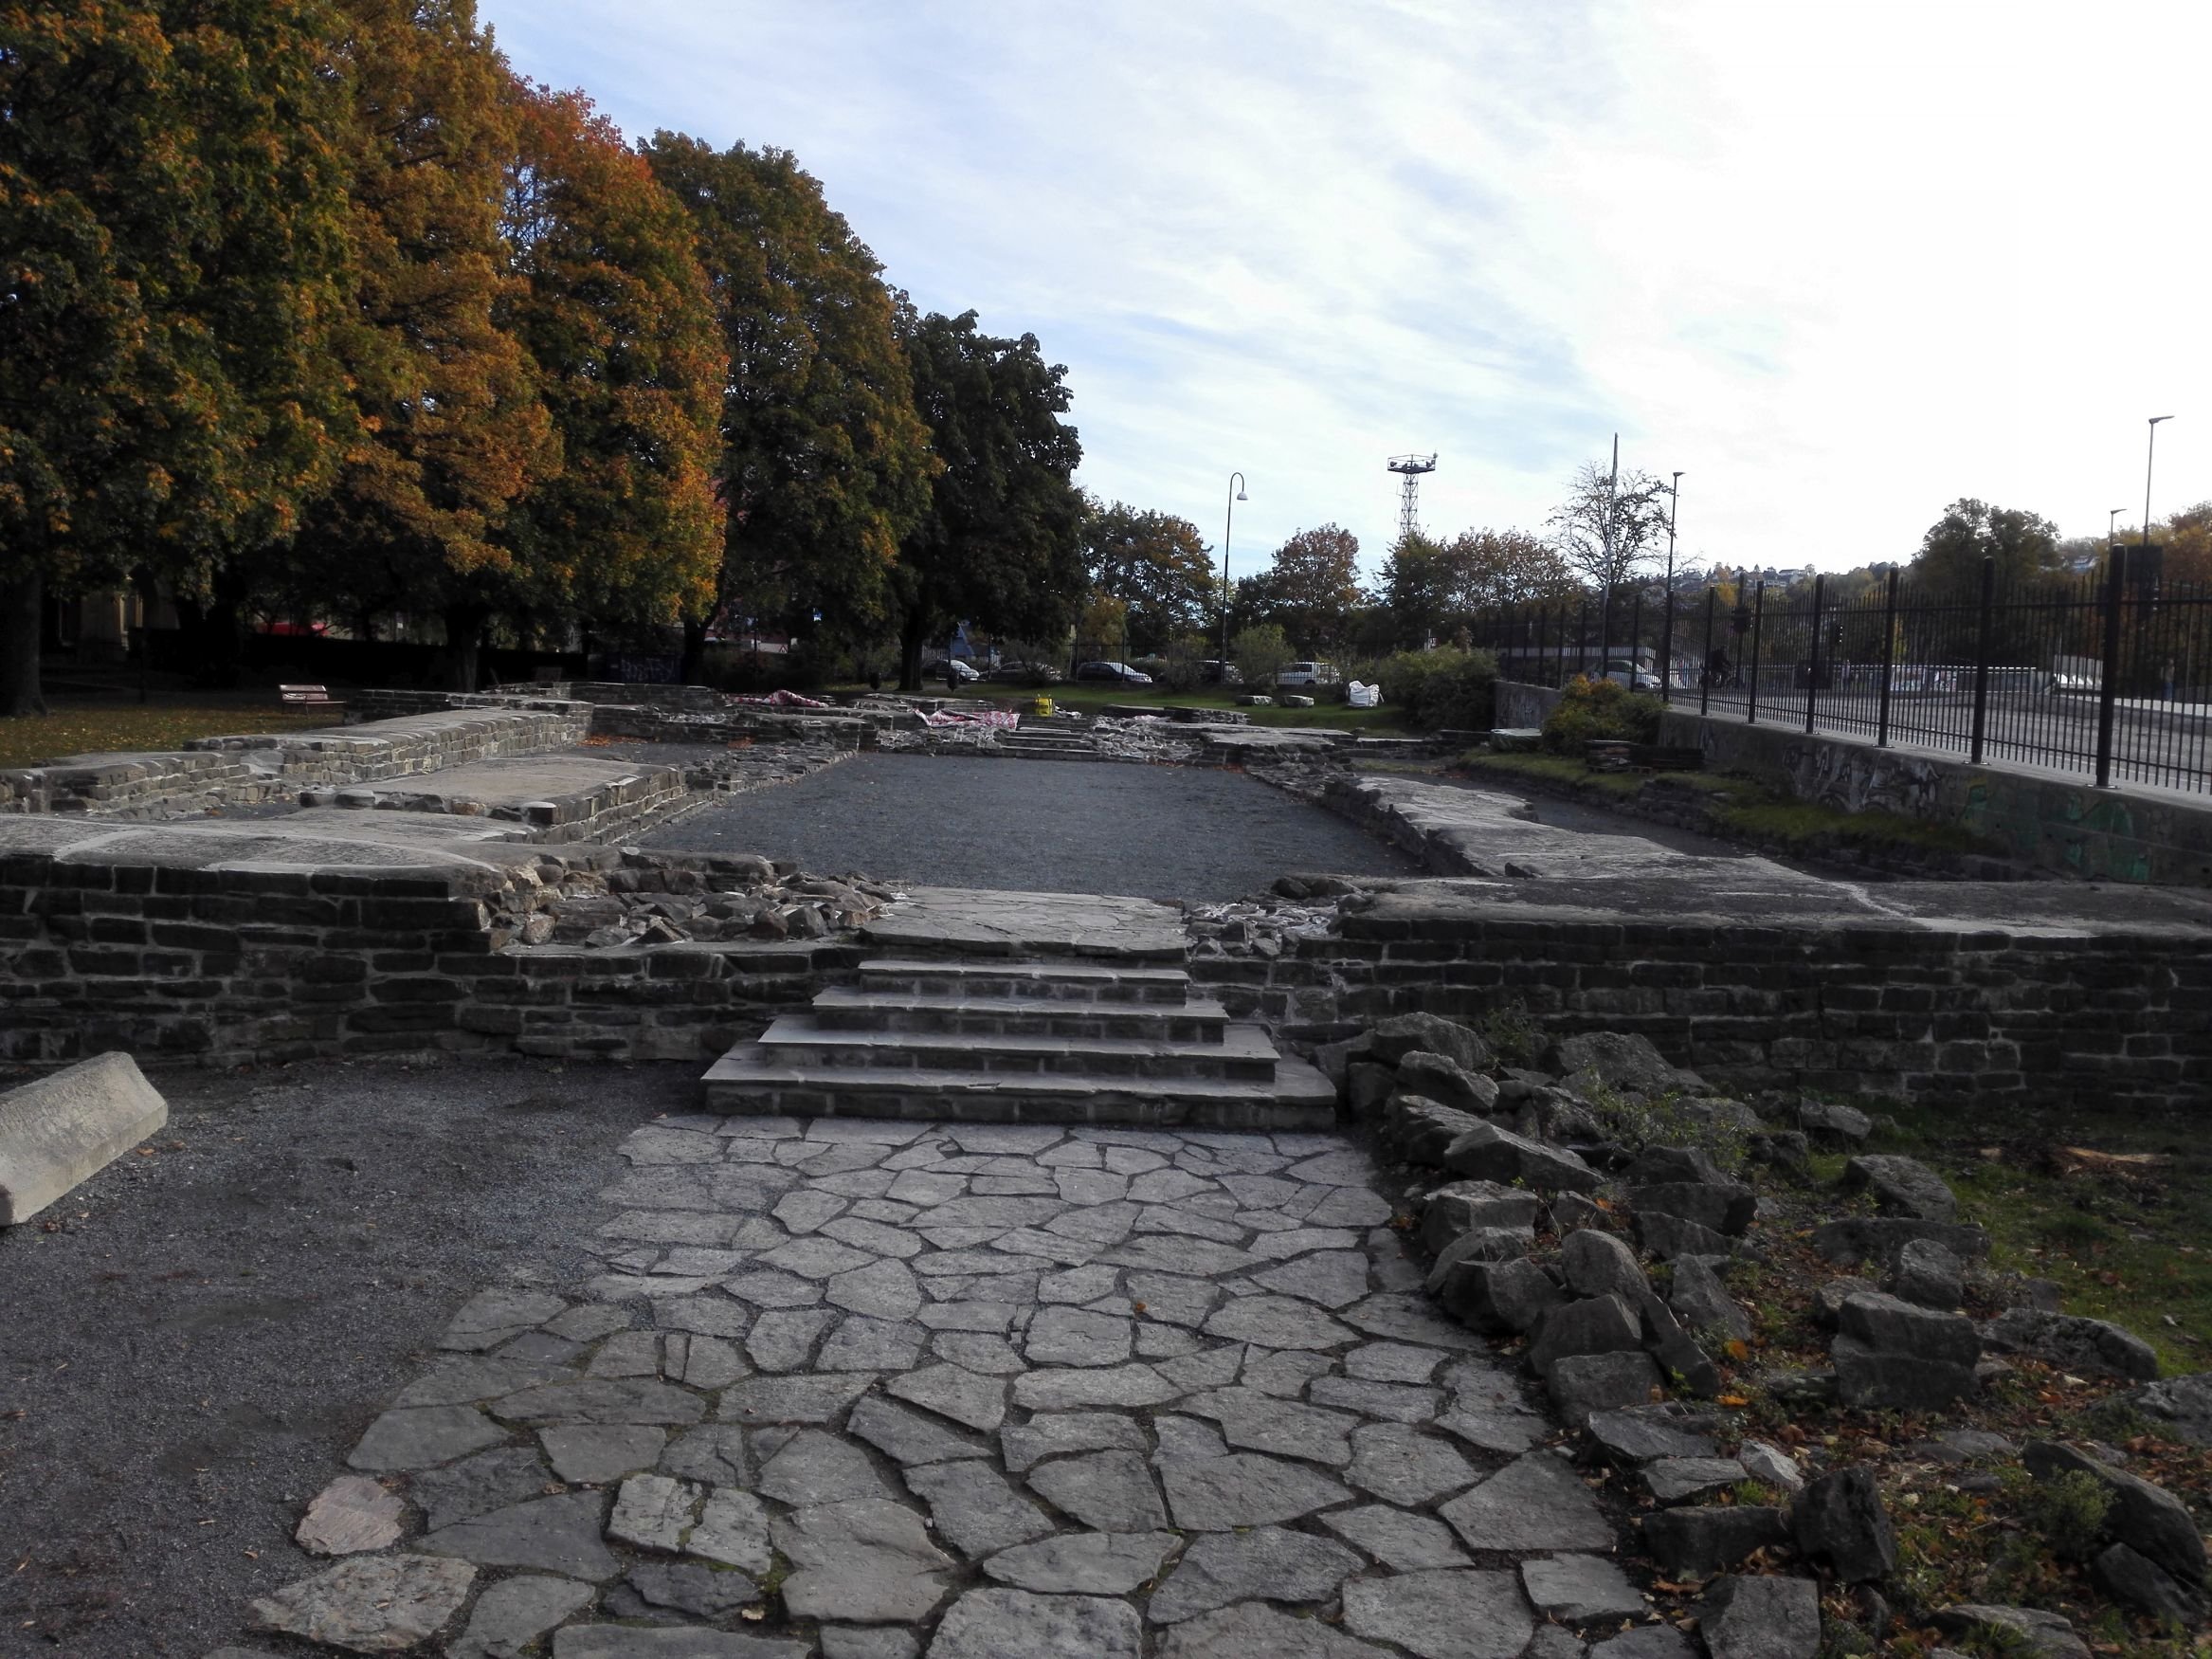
22	621
464	625
695	650
225	645
912	637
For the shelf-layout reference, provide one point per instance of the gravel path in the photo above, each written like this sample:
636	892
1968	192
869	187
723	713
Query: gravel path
1040	826
188	1352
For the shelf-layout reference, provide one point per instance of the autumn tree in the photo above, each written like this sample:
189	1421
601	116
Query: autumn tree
1001	544
1313	586
615	316
825	466
171	251
1157	564
451	431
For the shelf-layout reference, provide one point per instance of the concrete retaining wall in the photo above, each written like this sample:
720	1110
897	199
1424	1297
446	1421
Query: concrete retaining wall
2054	822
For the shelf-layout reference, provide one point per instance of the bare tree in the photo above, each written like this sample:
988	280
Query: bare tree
1610	523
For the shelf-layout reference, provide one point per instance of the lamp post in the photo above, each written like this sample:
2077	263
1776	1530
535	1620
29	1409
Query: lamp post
2112	527
1228	522
1666	662
2150	454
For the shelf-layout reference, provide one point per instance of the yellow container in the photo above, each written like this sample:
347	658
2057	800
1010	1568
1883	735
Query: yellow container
1041	707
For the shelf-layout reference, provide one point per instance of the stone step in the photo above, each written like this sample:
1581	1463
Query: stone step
1080	982
748	1081
1242	1053
1198	1020
1014	749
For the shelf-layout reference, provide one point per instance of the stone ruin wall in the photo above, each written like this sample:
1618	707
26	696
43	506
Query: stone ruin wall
228	966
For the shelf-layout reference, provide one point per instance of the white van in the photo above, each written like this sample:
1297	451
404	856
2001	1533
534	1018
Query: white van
1307	674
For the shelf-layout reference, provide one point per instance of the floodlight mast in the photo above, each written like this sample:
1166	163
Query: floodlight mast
1411	468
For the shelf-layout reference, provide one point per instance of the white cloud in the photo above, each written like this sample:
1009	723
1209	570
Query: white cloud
1838	263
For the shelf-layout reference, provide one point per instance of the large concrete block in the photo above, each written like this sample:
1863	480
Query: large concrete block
58	1131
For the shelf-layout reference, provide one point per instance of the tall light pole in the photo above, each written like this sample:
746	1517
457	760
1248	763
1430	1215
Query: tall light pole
2112	527
1666	662
1228	522
2150	454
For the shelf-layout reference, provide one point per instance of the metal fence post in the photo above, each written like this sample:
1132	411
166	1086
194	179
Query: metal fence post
1634	637
1705	668
2108	689
1812	668
1758	617
1982	661
1881	728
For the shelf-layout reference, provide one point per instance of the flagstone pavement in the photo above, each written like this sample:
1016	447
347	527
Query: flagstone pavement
968	1392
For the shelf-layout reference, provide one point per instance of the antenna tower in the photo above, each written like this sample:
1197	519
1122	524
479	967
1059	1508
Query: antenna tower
1411	468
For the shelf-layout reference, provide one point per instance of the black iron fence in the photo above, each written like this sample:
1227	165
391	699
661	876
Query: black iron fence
2101	673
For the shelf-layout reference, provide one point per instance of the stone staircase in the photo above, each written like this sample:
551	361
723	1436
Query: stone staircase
1044	741
1021	1041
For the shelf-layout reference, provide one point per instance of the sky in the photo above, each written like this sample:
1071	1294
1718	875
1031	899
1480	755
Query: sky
1837	263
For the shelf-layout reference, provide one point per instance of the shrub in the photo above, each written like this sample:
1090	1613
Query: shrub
1442	687
1595	711
2068	1512
1259	654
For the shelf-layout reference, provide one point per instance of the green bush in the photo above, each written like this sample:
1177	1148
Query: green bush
1595	711
1445	687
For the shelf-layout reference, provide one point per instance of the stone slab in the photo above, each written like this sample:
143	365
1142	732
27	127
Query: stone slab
59	1130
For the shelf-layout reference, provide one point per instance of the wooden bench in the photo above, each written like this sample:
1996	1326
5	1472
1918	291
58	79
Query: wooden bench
312	696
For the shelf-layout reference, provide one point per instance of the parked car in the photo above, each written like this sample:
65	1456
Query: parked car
1120	673
1620	671
966	671
1214	672
1023	674
1307	674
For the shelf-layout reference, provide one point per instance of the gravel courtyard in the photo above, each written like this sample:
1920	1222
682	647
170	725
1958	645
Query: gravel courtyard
1038	825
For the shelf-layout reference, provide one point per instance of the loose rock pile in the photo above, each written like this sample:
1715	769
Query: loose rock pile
1594	1212
602	899
1144	738
1255	927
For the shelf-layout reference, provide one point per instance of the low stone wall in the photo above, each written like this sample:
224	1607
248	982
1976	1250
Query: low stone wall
1923	1013
394	703
252	767
197	948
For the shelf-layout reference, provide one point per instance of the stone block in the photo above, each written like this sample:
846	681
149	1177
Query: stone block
1488	1153
59	1130
1446	1080
1840	1520
1597	1325
1903	1186
2147	1517
1501	1297
2091	1346
1724	1207
1583	1383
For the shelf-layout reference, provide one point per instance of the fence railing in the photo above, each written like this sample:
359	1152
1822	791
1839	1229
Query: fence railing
2101	673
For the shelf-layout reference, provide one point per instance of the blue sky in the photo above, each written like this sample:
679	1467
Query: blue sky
1838	263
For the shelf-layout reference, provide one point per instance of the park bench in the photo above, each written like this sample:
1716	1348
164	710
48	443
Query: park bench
312	696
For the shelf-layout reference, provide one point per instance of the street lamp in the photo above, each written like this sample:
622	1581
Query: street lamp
2150	454
1235	494
1666	664
2112	526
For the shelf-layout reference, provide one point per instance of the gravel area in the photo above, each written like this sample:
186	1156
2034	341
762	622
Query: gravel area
194	1340
1040	826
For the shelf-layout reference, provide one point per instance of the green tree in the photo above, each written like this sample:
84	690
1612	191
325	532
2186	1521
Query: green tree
825	464
2025	546
171	258
1155	564
1001	545
452	432
1259	652
1421	589
614	311
1313	587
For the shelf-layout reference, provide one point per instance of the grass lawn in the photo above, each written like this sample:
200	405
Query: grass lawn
1739	808
1092	698
94	728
